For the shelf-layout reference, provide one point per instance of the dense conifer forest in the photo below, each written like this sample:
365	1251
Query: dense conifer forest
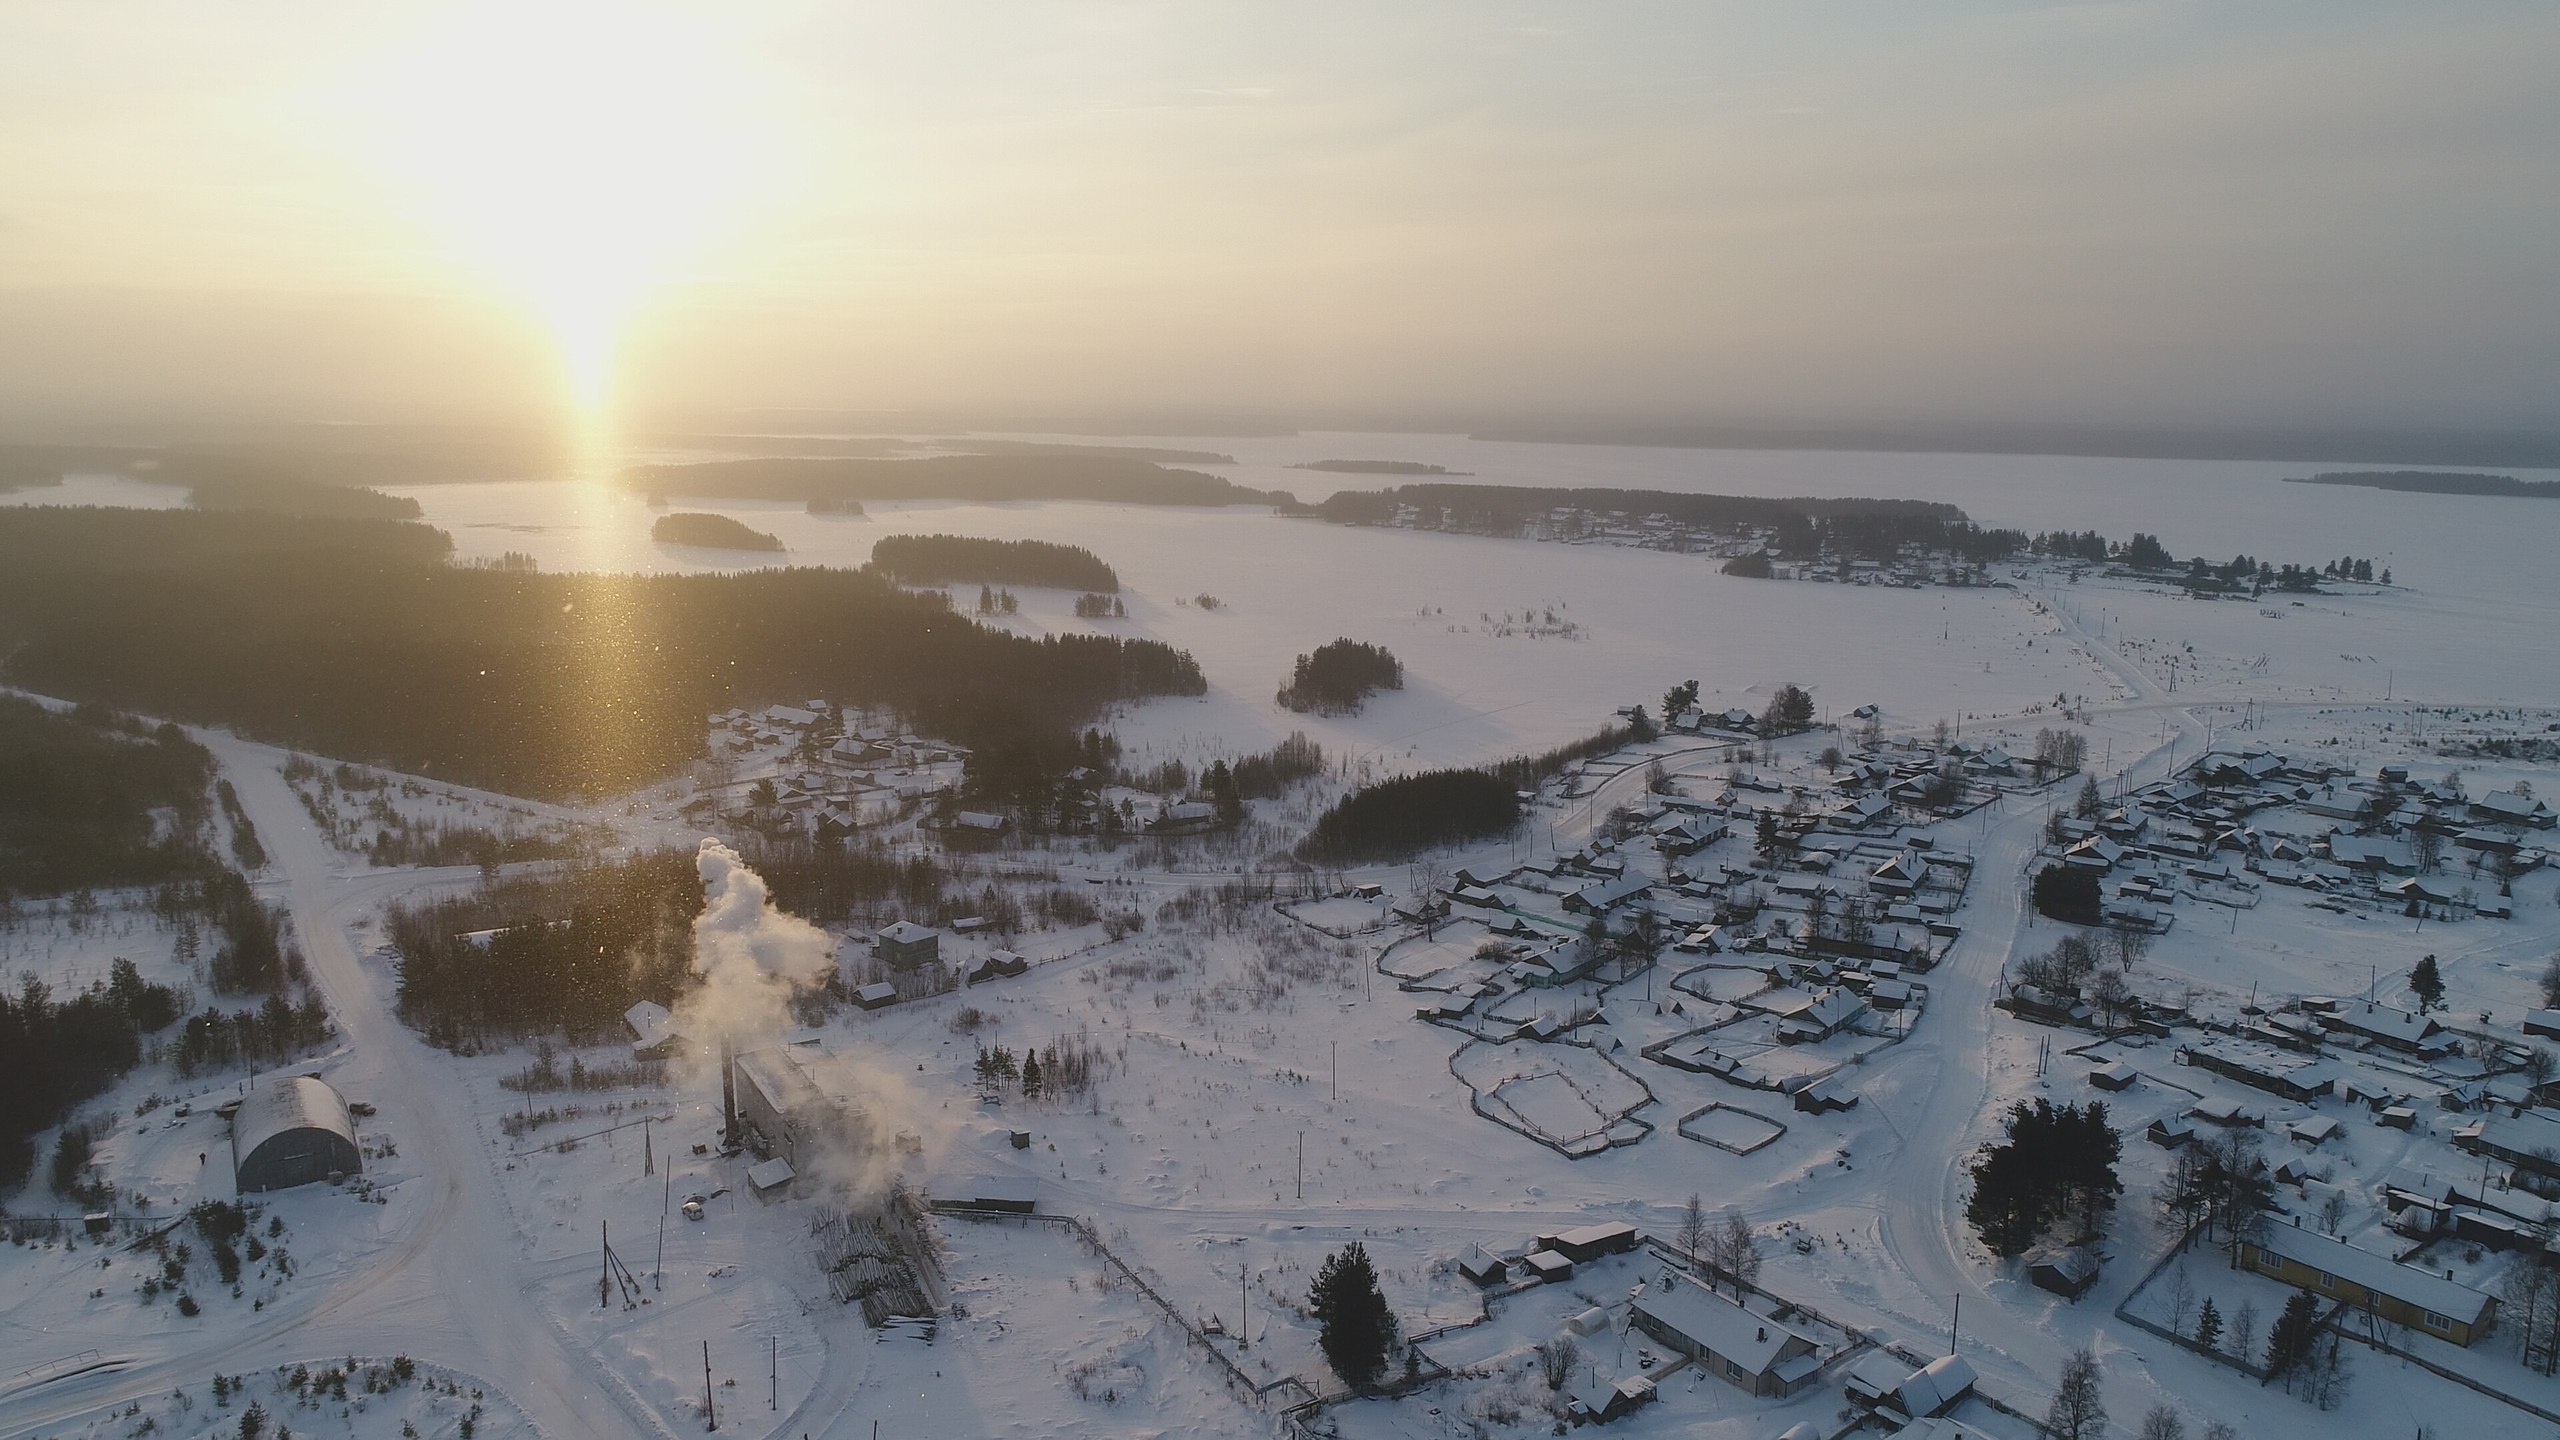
944	559
1397	817
355	640
77	794
289	496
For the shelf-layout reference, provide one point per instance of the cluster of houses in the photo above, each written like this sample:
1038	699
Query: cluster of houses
2234	819
1752	1341
833	774
2392	1066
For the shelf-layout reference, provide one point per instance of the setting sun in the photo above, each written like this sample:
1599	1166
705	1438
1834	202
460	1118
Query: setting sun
576	154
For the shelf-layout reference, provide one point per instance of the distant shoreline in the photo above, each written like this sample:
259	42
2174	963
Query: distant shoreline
1378	467
2434	482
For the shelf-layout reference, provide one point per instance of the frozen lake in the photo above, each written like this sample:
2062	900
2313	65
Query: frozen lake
2470	621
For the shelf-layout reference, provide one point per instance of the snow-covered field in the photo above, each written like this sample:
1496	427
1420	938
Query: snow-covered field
1267	1092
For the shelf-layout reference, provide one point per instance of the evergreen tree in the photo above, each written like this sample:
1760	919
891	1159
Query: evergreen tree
1030	1075
2427	984
1220	782
2208	1324
2290	1342
1356	1325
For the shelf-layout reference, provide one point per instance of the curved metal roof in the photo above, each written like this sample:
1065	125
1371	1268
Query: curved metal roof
292	1103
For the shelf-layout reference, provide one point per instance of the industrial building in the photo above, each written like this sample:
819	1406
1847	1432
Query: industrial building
291	1131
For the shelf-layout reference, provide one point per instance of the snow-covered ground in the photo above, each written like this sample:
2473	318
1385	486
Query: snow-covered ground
1234	1045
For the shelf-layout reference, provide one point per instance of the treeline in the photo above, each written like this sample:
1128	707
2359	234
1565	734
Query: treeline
1515	509
56	1053
1339	676
712	532
942	559
1397	817
77	796
2241	572
1039	475
284	495
355	639
2433	482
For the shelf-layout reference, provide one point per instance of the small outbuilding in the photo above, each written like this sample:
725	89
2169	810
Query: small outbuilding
292	1131
2067	1272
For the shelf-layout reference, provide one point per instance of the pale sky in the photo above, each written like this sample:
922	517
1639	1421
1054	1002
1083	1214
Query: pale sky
2324	213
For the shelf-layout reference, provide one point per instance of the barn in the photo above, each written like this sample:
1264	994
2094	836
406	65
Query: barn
291	1132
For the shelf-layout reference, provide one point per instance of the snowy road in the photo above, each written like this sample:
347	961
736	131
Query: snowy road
452	1290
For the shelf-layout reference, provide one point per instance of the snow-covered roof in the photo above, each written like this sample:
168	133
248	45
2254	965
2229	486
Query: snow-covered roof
1718	1325
295	1102
906	932
769	1173
2378	1273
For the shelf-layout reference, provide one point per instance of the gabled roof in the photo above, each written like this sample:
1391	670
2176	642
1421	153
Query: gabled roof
1718	1325
2377	1273
906	932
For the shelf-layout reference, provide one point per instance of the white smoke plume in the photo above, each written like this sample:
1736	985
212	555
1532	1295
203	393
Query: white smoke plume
752	957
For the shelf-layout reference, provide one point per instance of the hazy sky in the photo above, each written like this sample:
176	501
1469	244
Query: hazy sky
2316	213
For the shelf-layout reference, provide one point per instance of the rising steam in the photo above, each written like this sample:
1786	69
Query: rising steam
752	957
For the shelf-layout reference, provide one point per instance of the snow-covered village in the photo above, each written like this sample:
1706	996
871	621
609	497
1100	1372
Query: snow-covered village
1117	720
2074	987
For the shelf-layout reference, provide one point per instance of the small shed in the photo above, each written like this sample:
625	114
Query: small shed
878	996
1590	1322
2114	1075
1483	1269
1547	1266
771	1179
2067	1271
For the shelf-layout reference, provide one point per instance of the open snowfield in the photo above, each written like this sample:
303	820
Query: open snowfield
1234	1047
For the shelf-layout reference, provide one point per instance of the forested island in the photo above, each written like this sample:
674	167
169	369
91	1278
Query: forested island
1340	676
2434	482
1041	475
711	532
356	639
944	559
1375	467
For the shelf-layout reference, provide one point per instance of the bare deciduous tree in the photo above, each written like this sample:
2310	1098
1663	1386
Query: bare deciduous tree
2078	1412
1556	1359
2163	1423
1693	1226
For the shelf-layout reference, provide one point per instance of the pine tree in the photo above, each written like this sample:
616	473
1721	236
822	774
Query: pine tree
1356	1325
2427	984
2208	1324
1030	1075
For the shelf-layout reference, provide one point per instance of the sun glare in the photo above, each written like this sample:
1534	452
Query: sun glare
577	154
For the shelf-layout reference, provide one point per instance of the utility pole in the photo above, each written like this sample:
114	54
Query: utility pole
604	1273
1302	1164
773	1376
1244	1315
1953	1321
1337	1070
710	1416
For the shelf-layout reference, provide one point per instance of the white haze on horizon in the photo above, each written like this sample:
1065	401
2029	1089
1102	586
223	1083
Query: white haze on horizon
2335	213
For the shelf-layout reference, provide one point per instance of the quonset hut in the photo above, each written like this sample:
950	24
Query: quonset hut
292	1131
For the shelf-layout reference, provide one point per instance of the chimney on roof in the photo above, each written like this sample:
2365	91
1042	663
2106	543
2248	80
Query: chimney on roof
1764	1332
